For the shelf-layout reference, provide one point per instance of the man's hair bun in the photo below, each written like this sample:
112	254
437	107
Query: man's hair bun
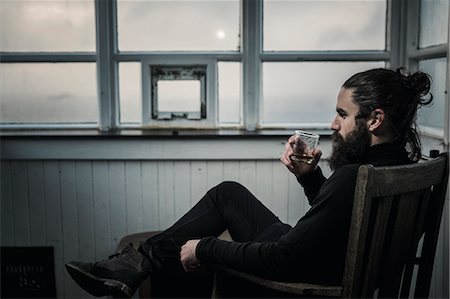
419	83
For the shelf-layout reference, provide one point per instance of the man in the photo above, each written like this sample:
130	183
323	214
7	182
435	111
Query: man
375	123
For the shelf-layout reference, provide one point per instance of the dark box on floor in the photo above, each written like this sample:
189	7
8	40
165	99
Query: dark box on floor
27	272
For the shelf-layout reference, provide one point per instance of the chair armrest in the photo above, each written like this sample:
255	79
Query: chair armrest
297	288
135	239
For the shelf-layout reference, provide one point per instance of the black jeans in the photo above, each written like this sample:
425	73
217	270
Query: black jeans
227	206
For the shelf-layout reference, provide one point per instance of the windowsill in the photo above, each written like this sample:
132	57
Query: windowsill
159	133
158	144
155	145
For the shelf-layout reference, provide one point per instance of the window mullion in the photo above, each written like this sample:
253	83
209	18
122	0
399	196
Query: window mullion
430	52
252	47
397	33
106	67
47	57
447	95
412	33
324	56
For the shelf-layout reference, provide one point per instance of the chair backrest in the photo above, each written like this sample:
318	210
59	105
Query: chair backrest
395	210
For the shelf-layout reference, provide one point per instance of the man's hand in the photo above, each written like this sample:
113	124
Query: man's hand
187	256
295	146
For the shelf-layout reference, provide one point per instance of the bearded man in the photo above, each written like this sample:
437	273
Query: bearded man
375	124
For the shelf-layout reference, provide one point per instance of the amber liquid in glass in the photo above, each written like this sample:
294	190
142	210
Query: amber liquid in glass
302	158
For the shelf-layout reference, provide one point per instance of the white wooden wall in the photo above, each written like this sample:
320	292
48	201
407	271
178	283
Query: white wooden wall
82	202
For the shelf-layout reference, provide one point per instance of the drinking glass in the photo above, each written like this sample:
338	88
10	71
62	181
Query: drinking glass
310	141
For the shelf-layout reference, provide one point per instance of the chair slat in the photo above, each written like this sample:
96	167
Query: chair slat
431	234
418	233
351	281
399	244
374	255
385	183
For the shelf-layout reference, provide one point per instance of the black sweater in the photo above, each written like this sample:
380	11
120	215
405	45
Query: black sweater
314	249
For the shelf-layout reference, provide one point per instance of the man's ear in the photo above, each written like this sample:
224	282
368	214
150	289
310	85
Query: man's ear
376	119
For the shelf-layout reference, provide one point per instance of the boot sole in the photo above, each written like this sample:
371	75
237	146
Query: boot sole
99	286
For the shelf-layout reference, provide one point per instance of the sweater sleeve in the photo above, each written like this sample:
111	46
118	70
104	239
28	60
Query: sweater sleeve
313	250
312	183
251	257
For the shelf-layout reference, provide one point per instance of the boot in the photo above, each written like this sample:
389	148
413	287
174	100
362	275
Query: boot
120	275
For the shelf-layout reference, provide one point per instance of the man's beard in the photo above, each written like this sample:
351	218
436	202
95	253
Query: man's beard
350	150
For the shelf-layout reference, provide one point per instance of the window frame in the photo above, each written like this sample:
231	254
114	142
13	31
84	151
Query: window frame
250	55
208	85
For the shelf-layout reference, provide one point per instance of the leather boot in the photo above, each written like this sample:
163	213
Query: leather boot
120	275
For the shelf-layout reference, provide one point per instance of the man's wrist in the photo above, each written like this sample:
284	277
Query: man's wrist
310	176
306	174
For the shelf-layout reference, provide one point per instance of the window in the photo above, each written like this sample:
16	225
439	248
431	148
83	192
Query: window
285	23
211	25
48	75
433	23
429	53
259	64
230	103
305	92
178	98
178	92
130	93
47	26
48	93
433	116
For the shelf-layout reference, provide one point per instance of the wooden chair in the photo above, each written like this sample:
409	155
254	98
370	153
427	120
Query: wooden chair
396	209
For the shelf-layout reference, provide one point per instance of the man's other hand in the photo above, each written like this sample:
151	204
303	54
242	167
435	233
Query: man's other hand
187	256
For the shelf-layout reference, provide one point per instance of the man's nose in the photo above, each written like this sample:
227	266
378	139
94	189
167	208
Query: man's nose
335	125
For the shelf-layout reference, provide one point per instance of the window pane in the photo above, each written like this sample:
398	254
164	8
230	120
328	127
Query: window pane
48	93
56	25
130	92
433	116
433	22
179	96
229	92
178	25
305	92
324	25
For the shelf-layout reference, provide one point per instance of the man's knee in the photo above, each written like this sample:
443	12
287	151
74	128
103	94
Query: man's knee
228	191
225	191
230	185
